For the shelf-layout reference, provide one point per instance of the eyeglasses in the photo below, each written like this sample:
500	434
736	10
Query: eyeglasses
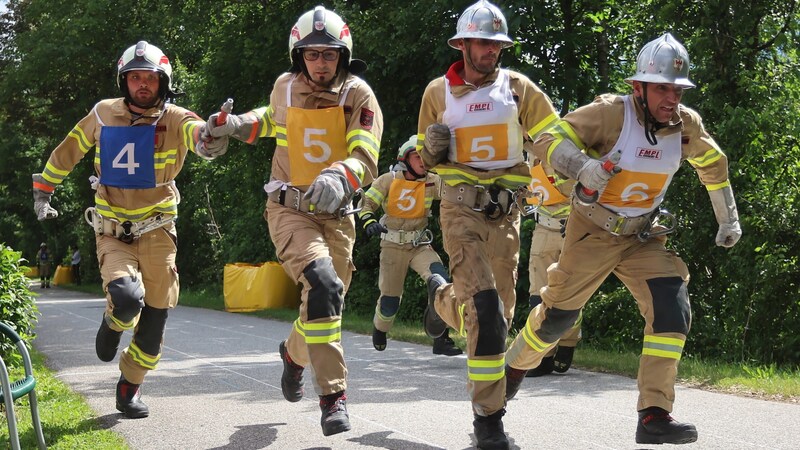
327	55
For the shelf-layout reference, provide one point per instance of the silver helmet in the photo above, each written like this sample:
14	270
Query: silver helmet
482	20
663	60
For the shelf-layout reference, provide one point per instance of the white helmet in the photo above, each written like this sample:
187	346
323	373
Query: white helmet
322	28
144	56
663	60
482	20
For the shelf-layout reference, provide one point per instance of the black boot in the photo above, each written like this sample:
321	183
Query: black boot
434	325
292	378
106	343
545	368
656	426
129	401
514	379
443	345
489	431
563	359
334	413
378	339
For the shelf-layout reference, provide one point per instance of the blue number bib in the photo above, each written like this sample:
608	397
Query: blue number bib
127	157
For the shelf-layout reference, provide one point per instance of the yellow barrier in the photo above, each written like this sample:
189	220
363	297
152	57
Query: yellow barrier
32	272
63	275
250	287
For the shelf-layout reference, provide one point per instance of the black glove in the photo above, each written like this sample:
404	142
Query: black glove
375	229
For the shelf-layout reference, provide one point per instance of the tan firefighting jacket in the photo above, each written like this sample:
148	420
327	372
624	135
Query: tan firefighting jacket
377	195
176	134
536	113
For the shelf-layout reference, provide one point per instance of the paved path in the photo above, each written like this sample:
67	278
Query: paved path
218	387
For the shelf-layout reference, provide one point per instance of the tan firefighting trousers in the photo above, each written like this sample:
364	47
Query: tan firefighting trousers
589	255
301	238
483	257
545	249
395	261
151	260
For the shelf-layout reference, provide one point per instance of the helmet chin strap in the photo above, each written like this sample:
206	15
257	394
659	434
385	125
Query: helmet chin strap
413	172
649	121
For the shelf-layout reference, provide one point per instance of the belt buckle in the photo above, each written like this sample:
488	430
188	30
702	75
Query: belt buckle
619	223
296	201
480	193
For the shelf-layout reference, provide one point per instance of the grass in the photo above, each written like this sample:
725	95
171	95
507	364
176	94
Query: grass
67	420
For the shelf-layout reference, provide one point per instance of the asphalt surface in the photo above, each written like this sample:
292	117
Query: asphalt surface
218	387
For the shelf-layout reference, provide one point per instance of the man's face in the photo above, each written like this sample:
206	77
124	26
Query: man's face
662	99
321	63
484	53
143	86
415	162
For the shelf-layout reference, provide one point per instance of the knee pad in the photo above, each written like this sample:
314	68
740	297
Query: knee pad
535	300
671	310
437	268
150	331
127	295
556	323
389	305
492	326
326	296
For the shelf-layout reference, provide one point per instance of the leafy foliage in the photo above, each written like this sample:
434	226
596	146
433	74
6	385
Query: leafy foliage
58	58
17	306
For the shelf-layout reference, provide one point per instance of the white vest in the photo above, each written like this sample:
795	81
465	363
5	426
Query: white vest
484	126
647	169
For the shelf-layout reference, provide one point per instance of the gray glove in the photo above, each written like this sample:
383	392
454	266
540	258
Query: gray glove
209	147
592	175
231	125
727	217
437	143
41	200
331	189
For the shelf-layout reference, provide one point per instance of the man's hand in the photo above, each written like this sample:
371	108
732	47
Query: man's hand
372	227
209	148
728	234
592	175
41	198
437	143
331	189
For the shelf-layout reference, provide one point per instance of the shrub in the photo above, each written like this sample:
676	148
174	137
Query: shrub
17	306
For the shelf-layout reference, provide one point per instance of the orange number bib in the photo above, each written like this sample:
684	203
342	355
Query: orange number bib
315	139
406	199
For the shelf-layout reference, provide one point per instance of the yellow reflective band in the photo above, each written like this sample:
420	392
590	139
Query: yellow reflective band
533	341
579	321
375	195
320	333
188	134
124	325
420	141
564	129
718	186
161	159
364	139
142	358
486	369
134	215
53	174
709	157
461	331
80	136
544	124
268	126
454	176
356	166
663	347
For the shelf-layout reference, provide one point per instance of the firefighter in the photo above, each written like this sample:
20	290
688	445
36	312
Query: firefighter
141	142
43	261
328	125
472	124
406	194
648	133
546	241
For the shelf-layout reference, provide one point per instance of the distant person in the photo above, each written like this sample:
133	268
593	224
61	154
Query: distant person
76	266
141	142
617	226
43	260
405	194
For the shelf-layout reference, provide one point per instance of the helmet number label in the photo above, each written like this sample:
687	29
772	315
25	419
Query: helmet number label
309	142
482	143
127	157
